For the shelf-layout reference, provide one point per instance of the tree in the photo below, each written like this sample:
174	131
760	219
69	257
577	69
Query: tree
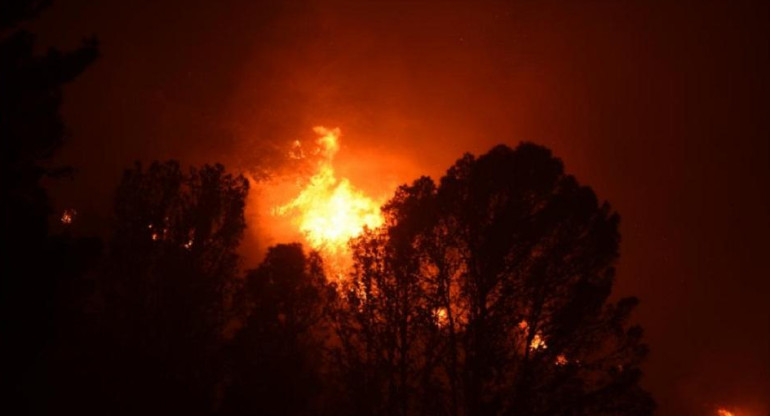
40	271
168	286
276	359
386	329
489	295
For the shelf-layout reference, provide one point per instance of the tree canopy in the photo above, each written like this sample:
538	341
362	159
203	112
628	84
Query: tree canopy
169	283
39	284
488	294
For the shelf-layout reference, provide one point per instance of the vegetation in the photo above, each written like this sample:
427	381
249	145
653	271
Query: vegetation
484	294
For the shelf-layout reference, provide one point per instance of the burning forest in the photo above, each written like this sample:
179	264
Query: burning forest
384	209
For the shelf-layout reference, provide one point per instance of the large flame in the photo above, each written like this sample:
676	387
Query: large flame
329	211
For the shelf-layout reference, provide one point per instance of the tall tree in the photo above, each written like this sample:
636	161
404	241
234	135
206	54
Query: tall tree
276	359
38	269
386	326
168	287
489	295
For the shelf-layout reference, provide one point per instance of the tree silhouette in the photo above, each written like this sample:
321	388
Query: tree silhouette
385	331
276	359
489	295
169	284
40	284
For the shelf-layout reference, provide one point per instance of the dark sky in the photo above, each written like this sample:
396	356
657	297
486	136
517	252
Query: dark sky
661	108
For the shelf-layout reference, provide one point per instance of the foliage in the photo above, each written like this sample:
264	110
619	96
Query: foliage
489	295
276	359
169	283
41	289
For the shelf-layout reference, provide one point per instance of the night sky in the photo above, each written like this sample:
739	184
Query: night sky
661	108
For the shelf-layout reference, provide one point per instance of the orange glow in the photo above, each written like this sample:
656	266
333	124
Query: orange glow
68	216
440	316
538	343
561	359
155	236
329	211
724	412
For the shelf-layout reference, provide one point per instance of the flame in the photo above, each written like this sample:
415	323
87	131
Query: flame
329	211
561	359
67	216
441	317
538	343
724	412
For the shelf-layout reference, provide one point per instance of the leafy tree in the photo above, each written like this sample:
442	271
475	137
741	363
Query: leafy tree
41	272
385	330
489	295
276	359
168	286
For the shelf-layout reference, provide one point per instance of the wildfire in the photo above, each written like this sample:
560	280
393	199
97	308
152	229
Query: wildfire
329	211
724	412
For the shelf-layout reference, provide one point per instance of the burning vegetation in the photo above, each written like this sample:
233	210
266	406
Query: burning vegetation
329	211
484	293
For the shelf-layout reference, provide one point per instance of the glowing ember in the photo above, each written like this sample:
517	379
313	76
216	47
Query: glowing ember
538	343
67	216
330	211
724	412
155	236
440	317
561	359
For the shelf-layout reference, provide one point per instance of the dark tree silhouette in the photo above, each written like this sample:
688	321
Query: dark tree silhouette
168	286
386	329
40	293
276	359
489	295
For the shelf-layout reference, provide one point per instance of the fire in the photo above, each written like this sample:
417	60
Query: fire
561	359
538	343
440	317
67	216
329	211
724	412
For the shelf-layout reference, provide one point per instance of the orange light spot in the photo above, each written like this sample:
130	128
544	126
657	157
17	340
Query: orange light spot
441	317
724	412
561	359
67	216
538	343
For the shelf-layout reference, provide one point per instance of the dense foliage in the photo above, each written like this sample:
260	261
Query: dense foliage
484	294
488	294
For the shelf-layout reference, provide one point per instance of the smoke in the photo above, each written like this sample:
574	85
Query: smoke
661	108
